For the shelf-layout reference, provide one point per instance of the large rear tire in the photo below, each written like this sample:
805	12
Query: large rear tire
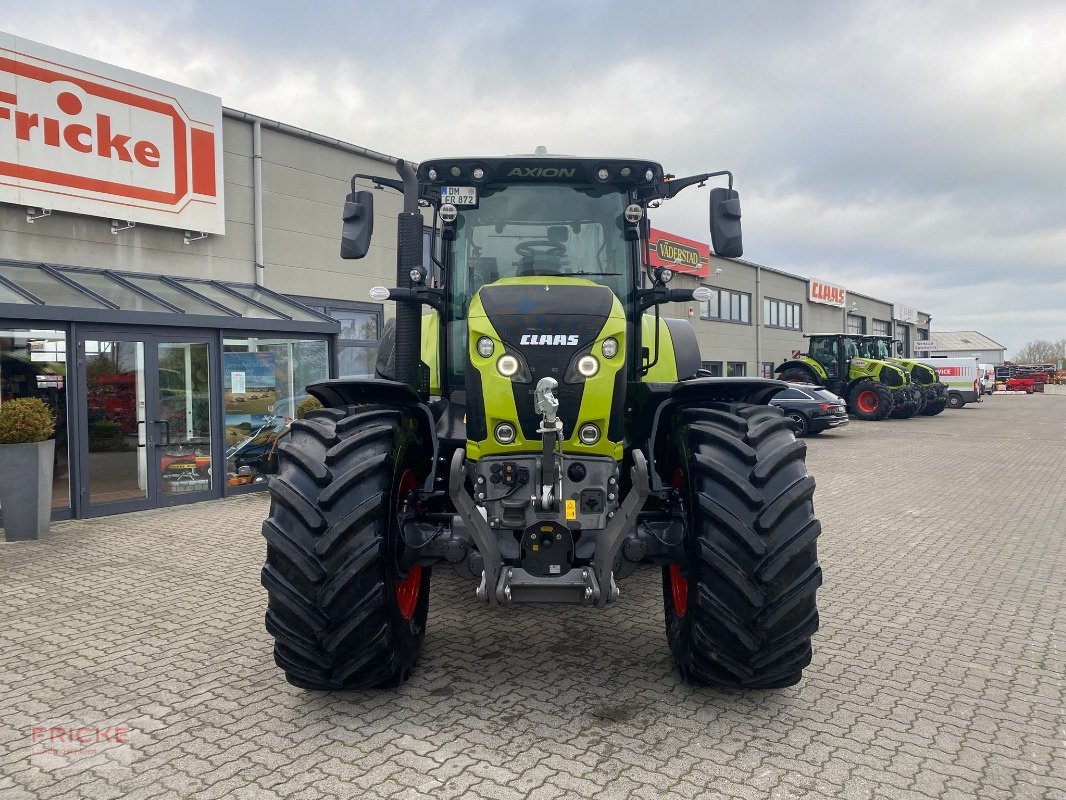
742	612
340	615
870	400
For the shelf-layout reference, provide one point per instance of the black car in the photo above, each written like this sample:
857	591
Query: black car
812	408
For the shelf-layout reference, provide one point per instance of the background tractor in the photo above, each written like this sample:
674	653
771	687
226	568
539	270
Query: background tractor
543	431
934	394
873	389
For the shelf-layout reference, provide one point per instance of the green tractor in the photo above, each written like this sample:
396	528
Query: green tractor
873	389
934	393
544	432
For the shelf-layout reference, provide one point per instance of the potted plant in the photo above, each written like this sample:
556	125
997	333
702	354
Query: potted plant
27	455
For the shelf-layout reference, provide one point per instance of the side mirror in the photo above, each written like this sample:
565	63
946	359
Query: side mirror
725	223
358	224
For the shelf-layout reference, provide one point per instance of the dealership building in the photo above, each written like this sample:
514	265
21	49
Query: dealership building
170	281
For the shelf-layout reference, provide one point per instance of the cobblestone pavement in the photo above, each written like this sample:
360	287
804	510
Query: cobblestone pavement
938	672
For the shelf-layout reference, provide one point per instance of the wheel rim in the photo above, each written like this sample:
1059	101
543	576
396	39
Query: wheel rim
801	423
408	589
678	582
867	401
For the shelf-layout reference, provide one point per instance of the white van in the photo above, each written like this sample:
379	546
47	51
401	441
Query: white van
987	378
962	377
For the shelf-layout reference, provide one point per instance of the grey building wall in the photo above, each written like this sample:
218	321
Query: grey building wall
757	342
304	184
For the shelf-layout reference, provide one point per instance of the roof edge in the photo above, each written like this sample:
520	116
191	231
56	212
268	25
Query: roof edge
311	136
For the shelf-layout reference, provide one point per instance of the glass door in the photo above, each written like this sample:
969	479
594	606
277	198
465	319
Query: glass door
147	435
182	457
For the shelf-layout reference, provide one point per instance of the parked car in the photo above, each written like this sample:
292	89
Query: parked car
812	408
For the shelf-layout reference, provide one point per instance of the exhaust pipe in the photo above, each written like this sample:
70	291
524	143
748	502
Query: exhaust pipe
408	262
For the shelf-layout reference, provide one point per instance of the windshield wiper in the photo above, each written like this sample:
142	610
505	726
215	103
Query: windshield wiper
568	274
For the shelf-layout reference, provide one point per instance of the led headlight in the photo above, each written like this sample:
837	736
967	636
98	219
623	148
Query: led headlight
379	293
609	347
507	365
505	433
448	212
603	174
634	212
479	173
588	365
648	174
588	433
456	172
485	347
432	174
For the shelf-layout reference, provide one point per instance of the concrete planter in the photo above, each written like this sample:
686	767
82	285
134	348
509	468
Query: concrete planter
26	489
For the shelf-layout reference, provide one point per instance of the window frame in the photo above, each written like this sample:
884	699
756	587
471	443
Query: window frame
324	305
776	313
875	323
730	365
725	300
848	326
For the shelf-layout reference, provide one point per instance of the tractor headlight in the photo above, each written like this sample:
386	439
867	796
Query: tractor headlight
505	433
588	433
485	347
609	347
588	365
507	365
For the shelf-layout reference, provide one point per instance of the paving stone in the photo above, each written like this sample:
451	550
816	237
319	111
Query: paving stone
937	673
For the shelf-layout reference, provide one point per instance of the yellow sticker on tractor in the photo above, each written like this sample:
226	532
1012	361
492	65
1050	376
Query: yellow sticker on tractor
571	509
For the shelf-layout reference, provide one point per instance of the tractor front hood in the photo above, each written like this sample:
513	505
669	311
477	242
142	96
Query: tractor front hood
549	324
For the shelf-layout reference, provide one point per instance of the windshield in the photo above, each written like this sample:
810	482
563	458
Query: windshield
532	230
878	349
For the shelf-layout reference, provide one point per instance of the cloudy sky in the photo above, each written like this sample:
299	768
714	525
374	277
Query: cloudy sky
909	150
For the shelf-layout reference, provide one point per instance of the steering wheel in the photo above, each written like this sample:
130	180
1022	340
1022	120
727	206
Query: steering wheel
540	246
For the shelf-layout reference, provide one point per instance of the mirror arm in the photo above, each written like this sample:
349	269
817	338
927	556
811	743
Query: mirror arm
667	189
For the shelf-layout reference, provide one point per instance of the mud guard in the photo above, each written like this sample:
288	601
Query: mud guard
663	400
344	392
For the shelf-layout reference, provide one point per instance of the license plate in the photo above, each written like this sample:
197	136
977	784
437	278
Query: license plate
459	195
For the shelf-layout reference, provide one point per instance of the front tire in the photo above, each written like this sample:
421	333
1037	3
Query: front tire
340	615
741	612
955	400
870	400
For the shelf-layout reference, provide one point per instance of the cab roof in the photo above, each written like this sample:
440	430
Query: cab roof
540	168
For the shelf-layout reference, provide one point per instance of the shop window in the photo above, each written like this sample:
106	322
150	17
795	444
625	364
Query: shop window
264	381
737	369
33	363
713	367
357	345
